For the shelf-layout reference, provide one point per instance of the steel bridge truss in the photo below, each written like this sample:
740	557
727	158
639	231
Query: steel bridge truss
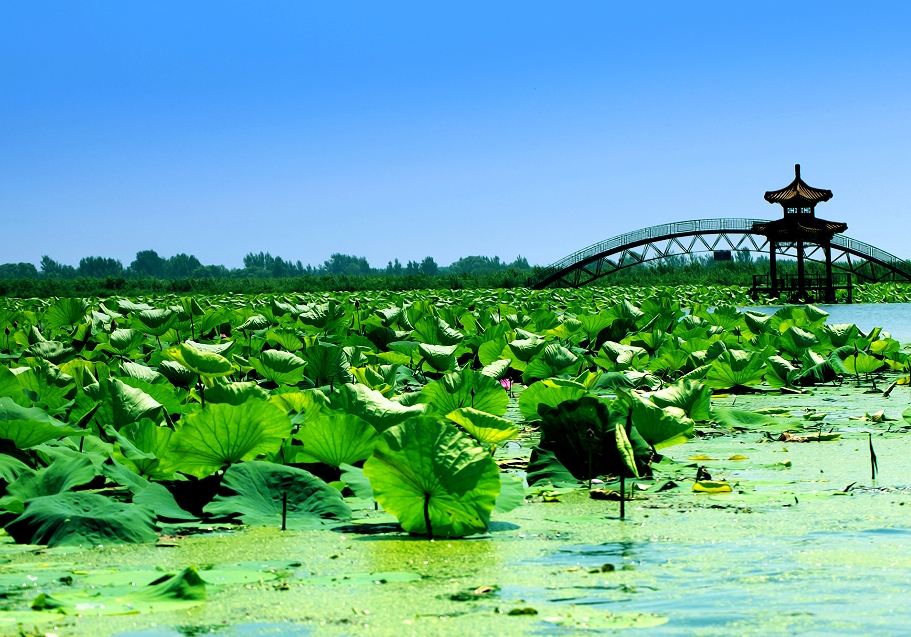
685	238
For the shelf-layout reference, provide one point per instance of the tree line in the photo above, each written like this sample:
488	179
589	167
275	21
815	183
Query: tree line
148	264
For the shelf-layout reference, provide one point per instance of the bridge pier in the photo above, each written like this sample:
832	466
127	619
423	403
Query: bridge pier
773	267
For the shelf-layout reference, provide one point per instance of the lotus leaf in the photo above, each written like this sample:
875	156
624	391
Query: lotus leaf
466	388
254	491
484	427
433	479
335	438
68	519
222	434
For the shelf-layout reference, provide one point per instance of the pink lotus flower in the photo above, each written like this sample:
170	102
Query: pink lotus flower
506	383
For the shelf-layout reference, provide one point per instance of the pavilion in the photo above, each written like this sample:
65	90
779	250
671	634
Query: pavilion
798	226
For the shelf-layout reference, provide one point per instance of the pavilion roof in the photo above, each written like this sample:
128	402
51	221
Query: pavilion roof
798	191
802	225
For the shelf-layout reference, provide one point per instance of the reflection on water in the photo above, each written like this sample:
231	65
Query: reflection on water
840	579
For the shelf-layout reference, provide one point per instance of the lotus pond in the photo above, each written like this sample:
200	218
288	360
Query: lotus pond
429	463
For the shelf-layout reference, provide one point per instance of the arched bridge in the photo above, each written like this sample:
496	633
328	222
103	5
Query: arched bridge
708	235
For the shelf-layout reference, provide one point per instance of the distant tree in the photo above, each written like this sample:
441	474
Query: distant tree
18	271
100	267
394	268
53	269
429	266
346	264
148	263
182	266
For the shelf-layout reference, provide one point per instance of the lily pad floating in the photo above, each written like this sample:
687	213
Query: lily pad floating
168	592
69	519
712	486
433	479
256	493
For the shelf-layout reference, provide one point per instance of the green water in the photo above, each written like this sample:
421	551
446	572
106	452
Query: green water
789	551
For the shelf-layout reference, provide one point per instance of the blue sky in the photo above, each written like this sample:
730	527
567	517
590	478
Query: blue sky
411	129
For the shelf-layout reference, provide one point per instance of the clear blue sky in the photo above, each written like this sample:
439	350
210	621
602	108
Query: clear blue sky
388	129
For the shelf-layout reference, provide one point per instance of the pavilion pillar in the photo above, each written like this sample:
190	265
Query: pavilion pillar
801	284
773	268
830	289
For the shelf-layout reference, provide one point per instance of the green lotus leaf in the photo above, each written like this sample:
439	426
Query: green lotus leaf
176	373
81	519
741	418
466	388
253	491
299	402
131	404
779	372
236	393
27	427
142	445
735	368
152	496
63	474
326	364
65	313
691	396
512	492
254	323
496	369
525	349
554	360
660	427
222	434
125	340
626	450
439	357
546	392
156	321
433	479
862	363
216	348
139	372
199	361
433	330
816	368
484	427
279	366
372	406
545	468
581	435
335	438
11	468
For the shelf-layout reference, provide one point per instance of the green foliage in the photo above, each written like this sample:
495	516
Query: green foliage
256	493
433	479
81	519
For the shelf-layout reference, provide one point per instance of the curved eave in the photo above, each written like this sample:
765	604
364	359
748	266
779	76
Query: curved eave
798	191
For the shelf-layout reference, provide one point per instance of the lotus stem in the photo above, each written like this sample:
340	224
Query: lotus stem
472	397
874	466
622	495
202	391
427	524
284	510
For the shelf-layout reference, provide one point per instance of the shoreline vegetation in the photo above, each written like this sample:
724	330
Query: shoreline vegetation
262	273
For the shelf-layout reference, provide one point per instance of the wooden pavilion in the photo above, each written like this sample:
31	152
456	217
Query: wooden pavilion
798	226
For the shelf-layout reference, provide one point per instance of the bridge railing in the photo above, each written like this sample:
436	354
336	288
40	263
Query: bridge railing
663	230
705	226
873	252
